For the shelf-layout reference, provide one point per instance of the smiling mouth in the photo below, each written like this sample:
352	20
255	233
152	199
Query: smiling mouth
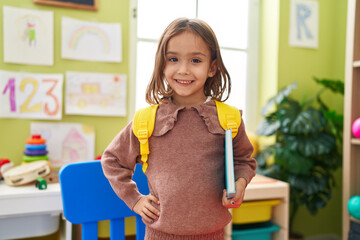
184	81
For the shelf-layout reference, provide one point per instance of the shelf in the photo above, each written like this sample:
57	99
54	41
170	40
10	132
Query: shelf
355	141
264	188
354	220
351	144
356	64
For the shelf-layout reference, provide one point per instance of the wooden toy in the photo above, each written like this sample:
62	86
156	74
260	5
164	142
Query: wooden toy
41	183
5	167
53	176
26	173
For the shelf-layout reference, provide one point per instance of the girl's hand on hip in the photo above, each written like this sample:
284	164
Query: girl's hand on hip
146	210
236	201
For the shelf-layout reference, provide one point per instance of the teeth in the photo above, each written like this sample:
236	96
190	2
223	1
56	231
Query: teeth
184	82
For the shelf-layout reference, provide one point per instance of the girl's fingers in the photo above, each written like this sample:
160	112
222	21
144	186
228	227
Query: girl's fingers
146	218
147	215
150	214
225	201
154	199
230	203
224	198
154	210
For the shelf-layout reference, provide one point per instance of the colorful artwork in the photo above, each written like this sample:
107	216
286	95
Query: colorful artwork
30	95
304	21
28	36
74	146
89	41
66	142
95	94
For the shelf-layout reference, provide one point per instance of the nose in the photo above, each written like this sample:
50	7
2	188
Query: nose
183	68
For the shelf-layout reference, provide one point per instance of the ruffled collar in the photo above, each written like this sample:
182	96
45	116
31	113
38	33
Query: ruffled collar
167	115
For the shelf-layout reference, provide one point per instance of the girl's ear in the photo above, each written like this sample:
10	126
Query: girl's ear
213	68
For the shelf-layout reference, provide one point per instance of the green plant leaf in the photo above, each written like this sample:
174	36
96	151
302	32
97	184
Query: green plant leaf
313	145
316	203
285	92
336	86
268	128
309	121
293	162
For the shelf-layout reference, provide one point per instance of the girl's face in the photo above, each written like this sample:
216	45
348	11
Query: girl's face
187	66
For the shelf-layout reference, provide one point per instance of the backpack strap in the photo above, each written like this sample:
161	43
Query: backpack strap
143	126
229	117
144	122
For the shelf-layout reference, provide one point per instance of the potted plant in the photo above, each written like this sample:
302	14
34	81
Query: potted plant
308	145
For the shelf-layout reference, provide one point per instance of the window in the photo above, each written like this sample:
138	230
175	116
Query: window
235	24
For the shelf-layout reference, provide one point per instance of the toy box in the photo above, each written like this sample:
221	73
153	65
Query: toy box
254	211
261	231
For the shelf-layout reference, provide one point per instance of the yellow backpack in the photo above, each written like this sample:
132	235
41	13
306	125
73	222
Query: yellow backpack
144	121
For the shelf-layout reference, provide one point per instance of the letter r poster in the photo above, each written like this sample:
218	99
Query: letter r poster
304	23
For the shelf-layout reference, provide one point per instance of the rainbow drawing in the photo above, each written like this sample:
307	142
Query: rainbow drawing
74	38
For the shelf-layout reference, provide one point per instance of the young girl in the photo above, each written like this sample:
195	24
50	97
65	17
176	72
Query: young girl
186	162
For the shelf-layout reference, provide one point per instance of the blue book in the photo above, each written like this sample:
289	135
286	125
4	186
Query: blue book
229	165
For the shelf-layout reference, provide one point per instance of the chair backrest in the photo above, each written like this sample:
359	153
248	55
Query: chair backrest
88	198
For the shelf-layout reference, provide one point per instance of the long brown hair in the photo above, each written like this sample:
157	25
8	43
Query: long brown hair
218	86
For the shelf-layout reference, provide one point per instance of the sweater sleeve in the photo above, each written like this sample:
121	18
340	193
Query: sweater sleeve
118	163
244	164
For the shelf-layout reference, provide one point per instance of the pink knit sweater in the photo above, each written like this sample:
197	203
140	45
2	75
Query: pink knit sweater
186	168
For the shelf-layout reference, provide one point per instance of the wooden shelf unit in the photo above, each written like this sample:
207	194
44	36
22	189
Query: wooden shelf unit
264	188
351	147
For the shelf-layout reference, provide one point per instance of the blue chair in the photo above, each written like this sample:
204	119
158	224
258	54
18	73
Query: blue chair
88	198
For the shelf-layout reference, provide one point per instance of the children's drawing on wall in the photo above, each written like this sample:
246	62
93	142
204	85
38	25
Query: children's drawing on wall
95	94
304	21
28	36
30	32
66	142
30	95
90	41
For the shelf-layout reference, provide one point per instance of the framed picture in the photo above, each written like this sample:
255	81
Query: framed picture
78	4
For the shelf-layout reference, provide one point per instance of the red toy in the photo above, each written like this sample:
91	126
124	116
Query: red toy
3	161
4	165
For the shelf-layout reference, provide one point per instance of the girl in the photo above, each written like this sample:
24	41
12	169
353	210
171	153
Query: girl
186	162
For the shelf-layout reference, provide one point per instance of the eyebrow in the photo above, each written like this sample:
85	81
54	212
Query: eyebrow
193	53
